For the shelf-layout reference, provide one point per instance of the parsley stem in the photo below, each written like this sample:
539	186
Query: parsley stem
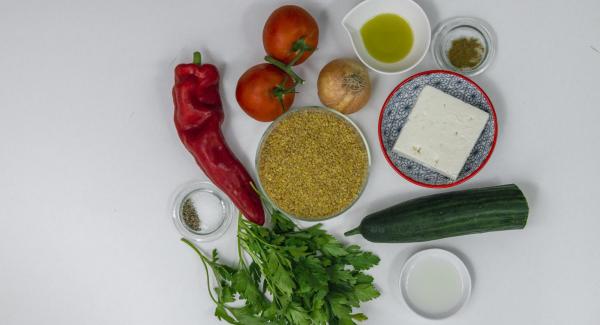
239	243
204	261
249	231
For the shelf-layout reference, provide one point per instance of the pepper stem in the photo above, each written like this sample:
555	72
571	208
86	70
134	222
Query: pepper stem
354	231
197	58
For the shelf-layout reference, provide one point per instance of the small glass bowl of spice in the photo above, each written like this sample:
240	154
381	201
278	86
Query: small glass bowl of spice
313	163
465	45
201	211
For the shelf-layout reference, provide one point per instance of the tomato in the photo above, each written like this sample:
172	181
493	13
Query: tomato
286	26
257	90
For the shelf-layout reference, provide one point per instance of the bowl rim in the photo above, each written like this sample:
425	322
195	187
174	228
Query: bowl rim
270	129
449	256
457	182
417	62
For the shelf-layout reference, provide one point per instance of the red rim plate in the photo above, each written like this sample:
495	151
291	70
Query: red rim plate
473	173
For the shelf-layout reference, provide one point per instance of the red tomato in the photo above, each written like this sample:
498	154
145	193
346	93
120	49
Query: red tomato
286	26
256	92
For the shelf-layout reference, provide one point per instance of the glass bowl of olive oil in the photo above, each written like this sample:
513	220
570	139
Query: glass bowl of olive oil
389	36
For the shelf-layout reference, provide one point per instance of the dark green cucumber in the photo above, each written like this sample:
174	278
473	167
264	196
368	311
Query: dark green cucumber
447	215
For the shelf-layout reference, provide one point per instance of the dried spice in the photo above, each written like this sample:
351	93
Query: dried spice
190	215
313	164
466	53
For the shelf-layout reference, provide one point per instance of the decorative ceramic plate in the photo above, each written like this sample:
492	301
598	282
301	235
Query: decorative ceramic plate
398	105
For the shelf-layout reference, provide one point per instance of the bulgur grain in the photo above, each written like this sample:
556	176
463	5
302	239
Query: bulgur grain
313	164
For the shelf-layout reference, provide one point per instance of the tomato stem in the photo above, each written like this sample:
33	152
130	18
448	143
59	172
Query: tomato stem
286	68
280	91
300	47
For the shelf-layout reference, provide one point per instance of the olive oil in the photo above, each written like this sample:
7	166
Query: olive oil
387	37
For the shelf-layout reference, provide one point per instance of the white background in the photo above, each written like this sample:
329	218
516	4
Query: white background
89	158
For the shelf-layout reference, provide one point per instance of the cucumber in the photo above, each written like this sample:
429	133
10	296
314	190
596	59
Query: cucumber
447	215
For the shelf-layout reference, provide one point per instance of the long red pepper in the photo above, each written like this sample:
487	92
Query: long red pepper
198	118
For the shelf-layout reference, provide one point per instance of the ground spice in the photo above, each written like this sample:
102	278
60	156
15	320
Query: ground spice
190	215
313	164
466	53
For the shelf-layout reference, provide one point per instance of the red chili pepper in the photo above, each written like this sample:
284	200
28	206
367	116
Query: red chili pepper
198	118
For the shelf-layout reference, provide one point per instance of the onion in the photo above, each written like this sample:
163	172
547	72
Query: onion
344	85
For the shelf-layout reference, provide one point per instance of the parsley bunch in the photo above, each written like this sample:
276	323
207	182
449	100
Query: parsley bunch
295	276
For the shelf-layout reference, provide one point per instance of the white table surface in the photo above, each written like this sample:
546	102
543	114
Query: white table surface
89	159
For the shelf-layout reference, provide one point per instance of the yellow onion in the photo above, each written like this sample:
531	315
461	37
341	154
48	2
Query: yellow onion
344	85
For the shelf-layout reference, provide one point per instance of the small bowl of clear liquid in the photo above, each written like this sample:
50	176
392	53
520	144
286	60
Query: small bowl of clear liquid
435	283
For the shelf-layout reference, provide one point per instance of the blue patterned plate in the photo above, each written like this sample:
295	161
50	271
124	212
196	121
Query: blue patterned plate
398	105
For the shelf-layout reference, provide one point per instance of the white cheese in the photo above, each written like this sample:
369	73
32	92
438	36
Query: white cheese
441	132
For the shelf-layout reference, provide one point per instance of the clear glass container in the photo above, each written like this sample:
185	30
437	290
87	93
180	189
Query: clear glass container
213	208
274	125
463	27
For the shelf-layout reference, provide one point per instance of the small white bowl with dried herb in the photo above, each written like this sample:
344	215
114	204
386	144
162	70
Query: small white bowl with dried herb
313	163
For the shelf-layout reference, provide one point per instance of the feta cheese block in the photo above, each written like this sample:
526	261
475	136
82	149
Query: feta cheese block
440	132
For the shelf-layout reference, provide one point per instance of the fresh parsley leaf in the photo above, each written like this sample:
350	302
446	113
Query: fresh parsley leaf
339	306
363	278
366	292
295	277
245	316
297	315
281	224
334	249
346	321
281	277
244	284
362	260
222	314
340	275
359	317
225	293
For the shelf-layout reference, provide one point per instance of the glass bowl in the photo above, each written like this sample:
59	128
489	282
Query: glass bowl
274	125
214	210
461	27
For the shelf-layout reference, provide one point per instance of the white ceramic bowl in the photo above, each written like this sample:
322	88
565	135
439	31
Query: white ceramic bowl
407	9
440	255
